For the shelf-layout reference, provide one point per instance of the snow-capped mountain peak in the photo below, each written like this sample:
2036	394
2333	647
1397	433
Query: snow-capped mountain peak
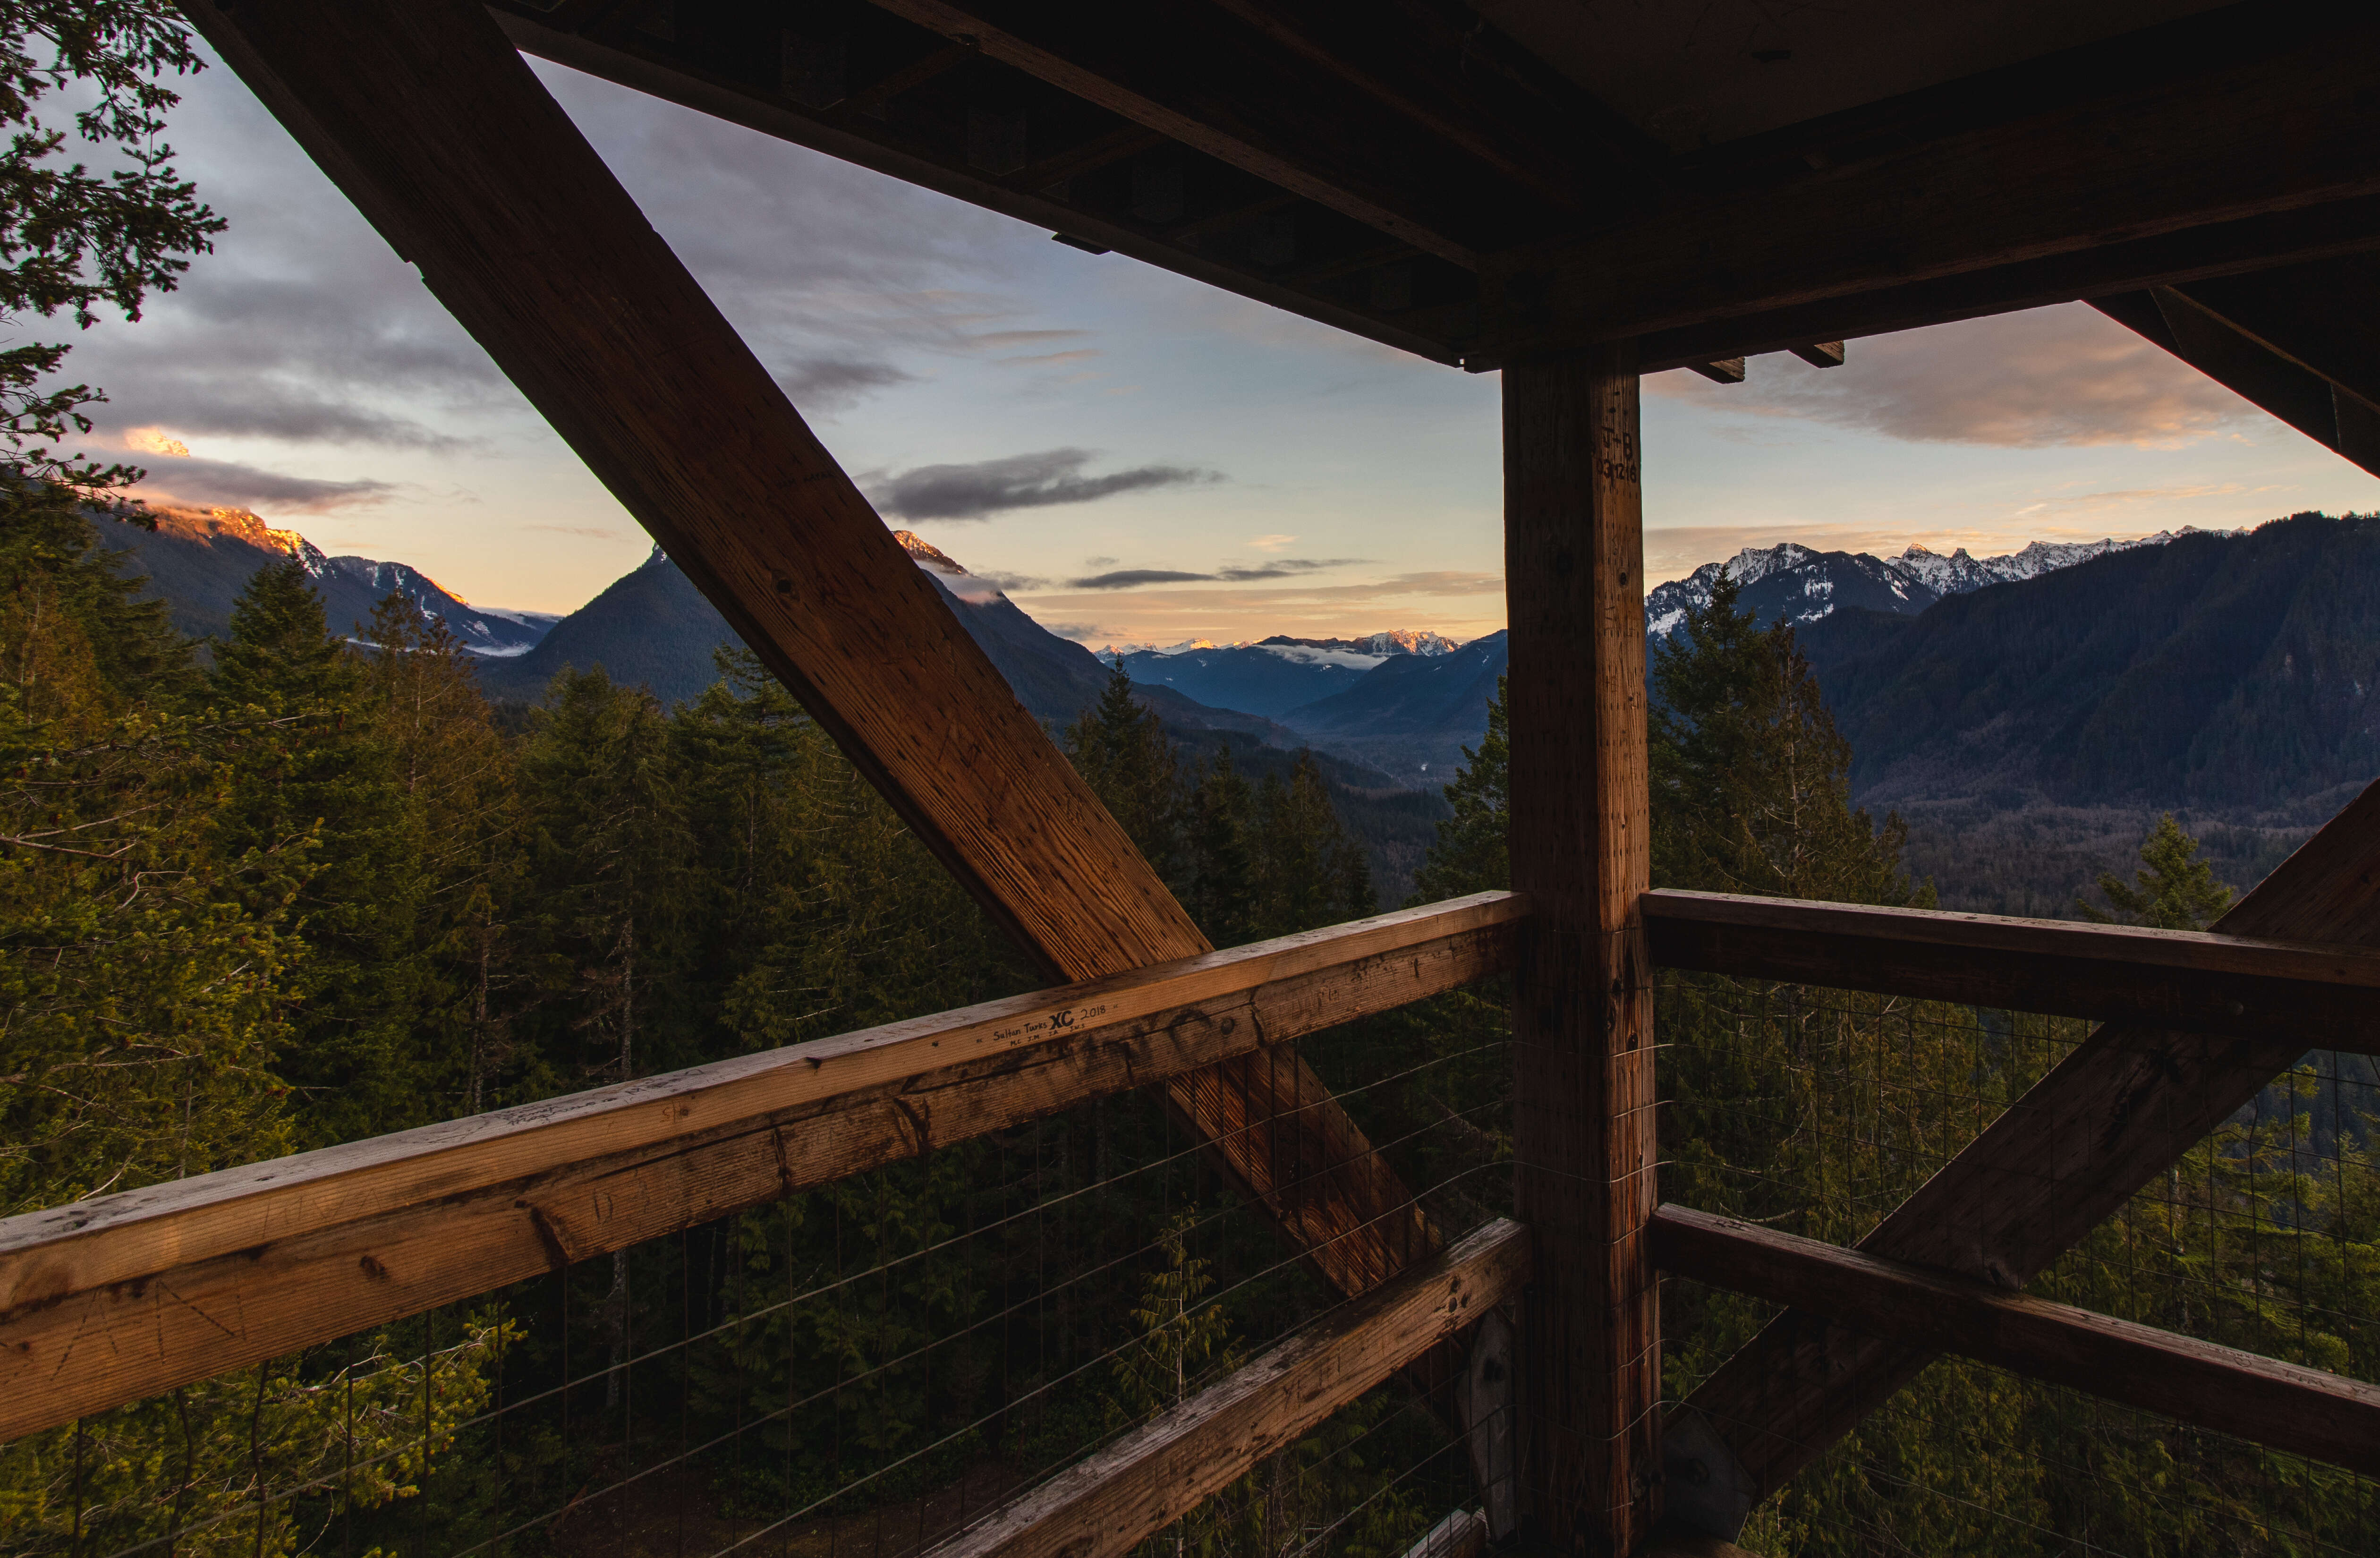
1792	582
974	589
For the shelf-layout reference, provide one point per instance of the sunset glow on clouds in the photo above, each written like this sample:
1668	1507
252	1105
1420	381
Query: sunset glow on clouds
1133	456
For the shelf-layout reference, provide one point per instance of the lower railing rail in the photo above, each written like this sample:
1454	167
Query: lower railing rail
2305	1411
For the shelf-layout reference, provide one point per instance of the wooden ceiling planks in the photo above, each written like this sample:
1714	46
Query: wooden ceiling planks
1353	164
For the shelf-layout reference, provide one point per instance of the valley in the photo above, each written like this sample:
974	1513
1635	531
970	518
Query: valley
2028	715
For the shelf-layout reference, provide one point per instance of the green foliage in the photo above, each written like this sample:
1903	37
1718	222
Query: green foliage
72	237
2171	892
1750	780
253	1463
1248	861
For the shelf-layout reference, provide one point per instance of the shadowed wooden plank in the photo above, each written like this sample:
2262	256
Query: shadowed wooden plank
428	120
1111	1503
128	1295
2293	992
2295	130
2302	1411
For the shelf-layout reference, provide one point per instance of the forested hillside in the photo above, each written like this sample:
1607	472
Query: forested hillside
314	892
2027	730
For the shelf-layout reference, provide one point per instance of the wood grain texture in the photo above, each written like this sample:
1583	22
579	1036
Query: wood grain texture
1109	1503
1219	84
2301	341
425	115
2118	1112
2242	245
2302	1411
2246	987
132	1295
2299	127
1582	1003
856	138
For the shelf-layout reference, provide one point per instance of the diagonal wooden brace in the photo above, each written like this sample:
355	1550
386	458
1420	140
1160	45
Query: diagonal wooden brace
2121	1110
423	113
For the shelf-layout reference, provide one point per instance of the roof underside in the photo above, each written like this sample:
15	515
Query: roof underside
1467	181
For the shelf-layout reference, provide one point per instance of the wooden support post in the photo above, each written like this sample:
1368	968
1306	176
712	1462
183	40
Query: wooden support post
1581	1005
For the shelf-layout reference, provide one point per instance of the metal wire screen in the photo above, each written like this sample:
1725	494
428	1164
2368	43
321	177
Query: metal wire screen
860	1370
1817	1111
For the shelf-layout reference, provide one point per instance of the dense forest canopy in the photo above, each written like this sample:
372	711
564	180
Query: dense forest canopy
311	890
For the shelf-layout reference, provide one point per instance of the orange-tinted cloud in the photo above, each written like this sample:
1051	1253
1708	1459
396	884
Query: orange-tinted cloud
2067	375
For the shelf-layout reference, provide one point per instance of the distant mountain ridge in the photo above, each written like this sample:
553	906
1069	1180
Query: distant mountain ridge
1792	583
198	561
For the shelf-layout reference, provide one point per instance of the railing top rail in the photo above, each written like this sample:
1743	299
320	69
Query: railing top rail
119	1299
2201	981
131	1234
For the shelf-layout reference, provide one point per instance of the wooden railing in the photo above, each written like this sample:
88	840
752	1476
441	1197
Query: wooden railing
118	1299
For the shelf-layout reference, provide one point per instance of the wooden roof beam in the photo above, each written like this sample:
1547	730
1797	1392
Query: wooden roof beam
2262	335
1201	76
2293	135
869	143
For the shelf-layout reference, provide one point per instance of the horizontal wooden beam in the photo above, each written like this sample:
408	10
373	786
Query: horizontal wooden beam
1235	88
2222	248
856	140
2315	994
2301	341
2114	1116
1108	1504
2297	129
120	1297
2302	1411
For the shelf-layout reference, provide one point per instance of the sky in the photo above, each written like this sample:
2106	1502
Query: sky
1135	457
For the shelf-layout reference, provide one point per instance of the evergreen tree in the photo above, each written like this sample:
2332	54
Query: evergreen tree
143	968
460	868
1751	780
1473	852
309	772
1309	873
2175	891
1220	864
1123	752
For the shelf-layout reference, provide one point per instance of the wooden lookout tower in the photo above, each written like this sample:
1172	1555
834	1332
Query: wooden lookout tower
1573	193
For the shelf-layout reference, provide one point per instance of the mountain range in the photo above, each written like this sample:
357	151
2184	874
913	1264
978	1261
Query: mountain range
1792	583
198	560
2024	712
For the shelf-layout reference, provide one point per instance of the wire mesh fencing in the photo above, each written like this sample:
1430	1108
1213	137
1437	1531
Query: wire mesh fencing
1817	1111
863	1369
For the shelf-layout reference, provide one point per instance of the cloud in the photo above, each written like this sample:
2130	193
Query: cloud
203	484
155	441
592	532
2062	376
1009	581
1050	359
826	384
1132	579
1283	567
1076	629
980	490
1270	544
